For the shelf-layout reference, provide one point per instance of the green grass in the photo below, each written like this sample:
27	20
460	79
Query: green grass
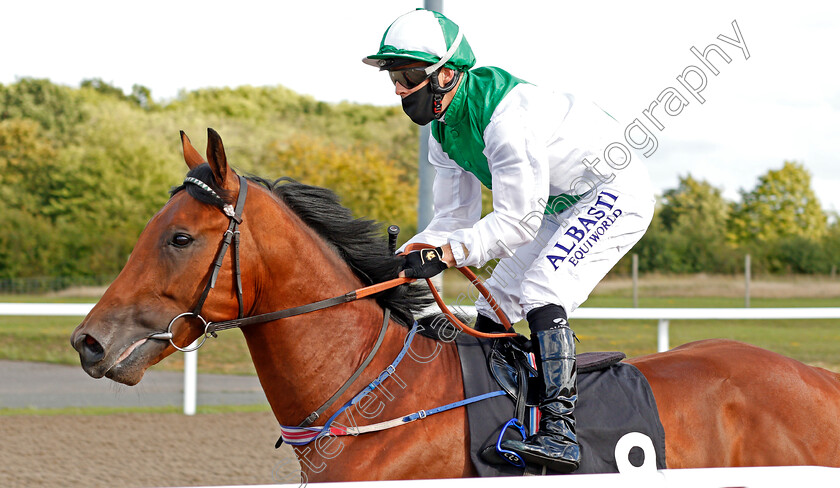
708	302
44	299
47	339
200	409
812	341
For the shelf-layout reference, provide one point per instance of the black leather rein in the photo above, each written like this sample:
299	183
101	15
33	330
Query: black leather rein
231	239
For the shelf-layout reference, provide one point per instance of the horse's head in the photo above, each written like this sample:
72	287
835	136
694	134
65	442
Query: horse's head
164	277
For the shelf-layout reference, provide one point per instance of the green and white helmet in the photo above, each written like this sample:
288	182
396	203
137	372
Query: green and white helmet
424	35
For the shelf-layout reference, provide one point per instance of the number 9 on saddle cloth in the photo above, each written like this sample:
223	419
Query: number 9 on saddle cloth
617	421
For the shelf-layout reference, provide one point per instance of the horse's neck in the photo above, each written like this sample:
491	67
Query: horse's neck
301	361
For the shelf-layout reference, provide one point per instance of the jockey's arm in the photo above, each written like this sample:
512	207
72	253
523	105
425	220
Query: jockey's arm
519	168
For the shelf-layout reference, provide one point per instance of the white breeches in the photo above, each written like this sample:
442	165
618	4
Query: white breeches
573	250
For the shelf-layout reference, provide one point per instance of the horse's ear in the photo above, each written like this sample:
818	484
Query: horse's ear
223	174
191	156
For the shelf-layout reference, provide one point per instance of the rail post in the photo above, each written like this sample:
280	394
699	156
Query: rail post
190	379
662	336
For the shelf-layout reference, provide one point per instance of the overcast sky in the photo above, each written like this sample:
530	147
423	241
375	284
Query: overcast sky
782	103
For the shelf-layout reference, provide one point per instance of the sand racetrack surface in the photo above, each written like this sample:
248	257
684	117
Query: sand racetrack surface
143	450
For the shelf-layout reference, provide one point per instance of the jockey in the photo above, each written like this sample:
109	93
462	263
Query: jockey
567	204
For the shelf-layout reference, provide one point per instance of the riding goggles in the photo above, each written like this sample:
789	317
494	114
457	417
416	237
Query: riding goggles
410	77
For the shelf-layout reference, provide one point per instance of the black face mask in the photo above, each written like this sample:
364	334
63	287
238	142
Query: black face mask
426	104
420	105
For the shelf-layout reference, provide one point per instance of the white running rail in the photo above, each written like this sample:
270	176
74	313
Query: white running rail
764	477
662	315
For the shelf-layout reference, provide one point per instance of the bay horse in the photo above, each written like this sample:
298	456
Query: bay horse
722	403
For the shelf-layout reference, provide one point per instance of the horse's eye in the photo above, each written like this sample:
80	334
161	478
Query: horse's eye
181	240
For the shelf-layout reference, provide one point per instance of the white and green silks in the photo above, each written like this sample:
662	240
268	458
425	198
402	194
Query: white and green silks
542	154
562	216
427	36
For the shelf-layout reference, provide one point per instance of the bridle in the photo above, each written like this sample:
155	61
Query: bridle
230	239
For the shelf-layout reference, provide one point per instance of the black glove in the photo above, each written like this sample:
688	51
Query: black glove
424	263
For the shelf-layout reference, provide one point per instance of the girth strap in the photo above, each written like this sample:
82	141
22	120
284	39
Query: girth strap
391	369
300	436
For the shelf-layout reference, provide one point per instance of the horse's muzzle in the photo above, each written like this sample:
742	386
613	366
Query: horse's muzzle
91	353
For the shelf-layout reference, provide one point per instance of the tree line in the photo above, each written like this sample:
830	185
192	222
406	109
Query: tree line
779	223
83	169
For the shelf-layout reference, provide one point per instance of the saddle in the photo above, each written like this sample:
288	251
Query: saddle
512	366
614	399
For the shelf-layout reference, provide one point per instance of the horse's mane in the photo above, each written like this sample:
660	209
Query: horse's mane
359	242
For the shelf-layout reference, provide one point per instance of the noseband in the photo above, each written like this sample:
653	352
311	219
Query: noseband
231	238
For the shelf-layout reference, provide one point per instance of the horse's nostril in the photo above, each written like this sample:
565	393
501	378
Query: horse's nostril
90	350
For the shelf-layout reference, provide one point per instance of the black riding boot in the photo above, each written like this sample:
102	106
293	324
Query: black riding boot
555	446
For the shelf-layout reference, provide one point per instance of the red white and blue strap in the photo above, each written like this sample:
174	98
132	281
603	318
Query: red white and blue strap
534	412
302	433
299	436
391	369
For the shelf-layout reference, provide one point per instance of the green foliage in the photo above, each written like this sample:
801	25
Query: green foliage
248	102
799	254
694	215
97	85
779	224
694	205
82	170
687	232
367	180
831	244
285	115
142	96
781	205
26	244
27	159
58	109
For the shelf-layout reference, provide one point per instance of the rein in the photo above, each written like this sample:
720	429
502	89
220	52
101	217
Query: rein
230	239
309	307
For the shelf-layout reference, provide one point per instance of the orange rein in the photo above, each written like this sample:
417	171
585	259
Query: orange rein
370	290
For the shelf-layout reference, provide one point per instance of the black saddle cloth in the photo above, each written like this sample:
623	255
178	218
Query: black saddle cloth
614	399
